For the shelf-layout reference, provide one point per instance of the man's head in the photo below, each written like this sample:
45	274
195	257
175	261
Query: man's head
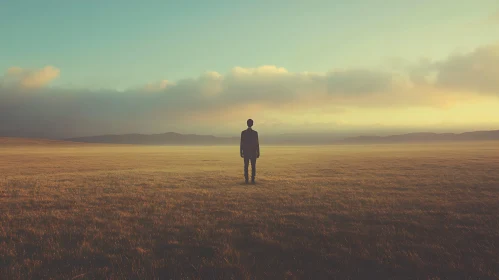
249	122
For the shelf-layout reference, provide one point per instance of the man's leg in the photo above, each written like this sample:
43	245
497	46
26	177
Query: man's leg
253	169
246	162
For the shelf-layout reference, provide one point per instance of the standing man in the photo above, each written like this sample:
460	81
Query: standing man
250	150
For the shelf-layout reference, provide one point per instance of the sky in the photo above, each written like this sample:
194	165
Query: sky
73	68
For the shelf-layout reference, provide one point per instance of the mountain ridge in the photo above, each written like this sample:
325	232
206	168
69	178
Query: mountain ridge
166	138
174	138
482	135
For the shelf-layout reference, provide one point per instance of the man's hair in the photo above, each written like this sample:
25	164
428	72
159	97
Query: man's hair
249	122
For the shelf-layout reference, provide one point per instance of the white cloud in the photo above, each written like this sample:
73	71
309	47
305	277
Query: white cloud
31	78
214	97
159	86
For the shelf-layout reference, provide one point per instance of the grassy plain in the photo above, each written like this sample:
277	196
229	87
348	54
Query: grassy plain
339	212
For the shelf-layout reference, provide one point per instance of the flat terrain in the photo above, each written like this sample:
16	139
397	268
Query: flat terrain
346	212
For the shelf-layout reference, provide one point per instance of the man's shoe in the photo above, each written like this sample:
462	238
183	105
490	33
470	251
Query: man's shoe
246	181
252	181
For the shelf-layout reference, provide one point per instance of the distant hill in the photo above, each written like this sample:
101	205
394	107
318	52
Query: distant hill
426	137
16	141
169	138
172	138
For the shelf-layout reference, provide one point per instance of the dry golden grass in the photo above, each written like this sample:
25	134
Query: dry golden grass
346	212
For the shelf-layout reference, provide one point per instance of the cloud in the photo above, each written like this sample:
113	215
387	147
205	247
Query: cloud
477	71
30	78
159	86
494	18
355	82
217	100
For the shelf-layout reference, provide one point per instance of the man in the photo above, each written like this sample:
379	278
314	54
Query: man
250	150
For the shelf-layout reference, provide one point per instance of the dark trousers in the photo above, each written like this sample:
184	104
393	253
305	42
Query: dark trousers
247	160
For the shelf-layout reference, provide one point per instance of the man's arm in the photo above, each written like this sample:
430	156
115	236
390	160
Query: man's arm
257	146
241	145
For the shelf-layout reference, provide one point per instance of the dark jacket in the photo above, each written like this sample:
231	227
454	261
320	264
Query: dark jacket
249	146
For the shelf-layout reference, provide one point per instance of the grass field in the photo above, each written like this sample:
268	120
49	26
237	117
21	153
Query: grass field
337	212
